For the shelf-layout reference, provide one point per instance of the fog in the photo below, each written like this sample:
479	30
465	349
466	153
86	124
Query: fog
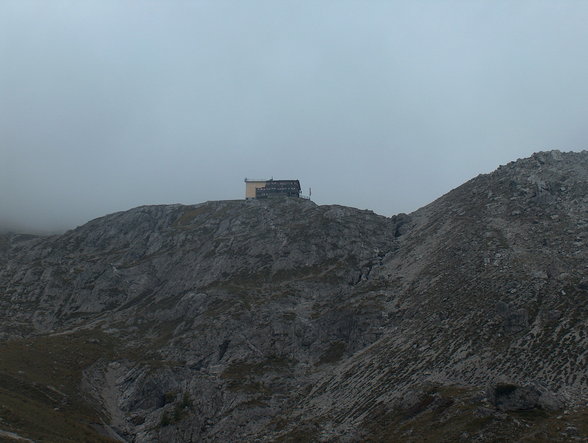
385	105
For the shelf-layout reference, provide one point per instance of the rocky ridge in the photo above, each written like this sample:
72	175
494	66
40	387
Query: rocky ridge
284	320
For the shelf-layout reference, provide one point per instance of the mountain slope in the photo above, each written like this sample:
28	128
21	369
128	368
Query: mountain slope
488	287
286	320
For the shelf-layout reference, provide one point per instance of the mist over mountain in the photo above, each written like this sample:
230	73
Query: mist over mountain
283	320
107	105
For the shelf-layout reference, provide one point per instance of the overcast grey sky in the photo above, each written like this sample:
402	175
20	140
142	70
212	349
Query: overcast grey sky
385	105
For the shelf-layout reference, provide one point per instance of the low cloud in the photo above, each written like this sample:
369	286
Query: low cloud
385	105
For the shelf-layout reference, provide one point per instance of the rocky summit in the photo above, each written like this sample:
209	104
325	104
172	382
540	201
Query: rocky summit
281	320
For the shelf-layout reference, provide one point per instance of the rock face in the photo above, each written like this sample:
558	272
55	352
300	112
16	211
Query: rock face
283	320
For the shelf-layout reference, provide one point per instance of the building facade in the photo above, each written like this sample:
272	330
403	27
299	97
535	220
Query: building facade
271	188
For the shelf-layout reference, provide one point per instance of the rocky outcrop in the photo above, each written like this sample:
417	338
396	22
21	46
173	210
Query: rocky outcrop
511	397
281	319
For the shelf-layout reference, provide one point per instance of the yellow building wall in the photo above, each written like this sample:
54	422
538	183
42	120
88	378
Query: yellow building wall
250	187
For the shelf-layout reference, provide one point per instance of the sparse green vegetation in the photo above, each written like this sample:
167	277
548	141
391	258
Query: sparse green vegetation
453	413
289	316
169	397
40	385
179	411
302	433
190	214
182	407
242	376
186	401
166	419
333	354
240	369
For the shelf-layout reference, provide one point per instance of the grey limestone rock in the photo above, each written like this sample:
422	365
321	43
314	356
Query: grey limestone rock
281	319
510	397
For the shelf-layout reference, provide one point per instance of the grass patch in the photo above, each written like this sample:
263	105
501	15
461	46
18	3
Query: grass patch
40	381
242	369
180	410
333	354
438	415
300	434
452	413
190	214
242	376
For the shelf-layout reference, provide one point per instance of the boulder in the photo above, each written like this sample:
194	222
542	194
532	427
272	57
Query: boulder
512	397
